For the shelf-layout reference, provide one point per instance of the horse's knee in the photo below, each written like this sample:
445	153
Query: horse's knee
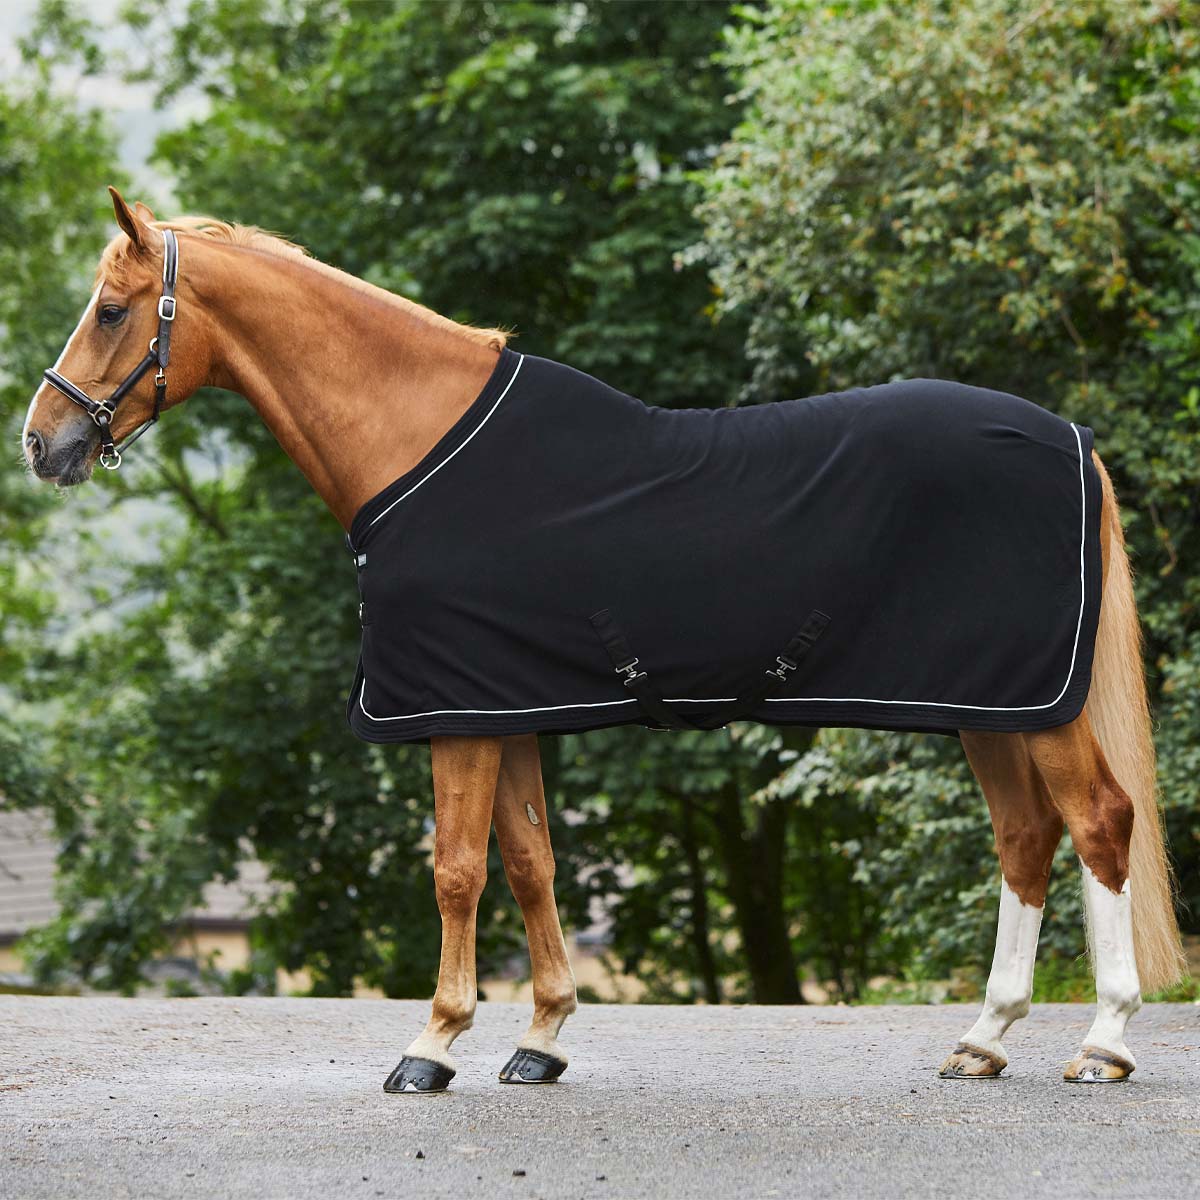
458	883
530	872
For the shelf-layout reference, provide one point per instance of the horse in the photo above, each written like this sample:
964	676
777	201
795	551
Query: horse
358	385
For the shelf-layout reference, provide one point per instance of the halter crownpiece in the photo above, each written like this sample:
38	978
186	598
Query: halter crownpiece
159	354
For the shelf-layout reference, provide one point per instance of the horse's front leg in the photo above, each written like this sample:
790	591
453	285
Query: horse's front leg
1028	829
524	836
464	786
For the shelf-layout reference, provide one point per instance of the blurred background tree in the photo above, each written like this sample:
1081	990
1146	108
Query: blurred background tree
47	231
1004	194
993	191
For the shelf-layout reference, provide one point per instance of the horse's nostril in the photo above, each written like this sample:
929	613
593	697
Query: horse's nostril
36	445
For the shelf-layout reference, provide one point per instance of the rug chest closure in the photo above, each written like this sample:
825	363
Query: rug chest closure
360	562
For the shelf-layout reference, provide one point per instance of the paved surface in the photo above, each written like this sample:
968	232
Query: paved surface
266	1098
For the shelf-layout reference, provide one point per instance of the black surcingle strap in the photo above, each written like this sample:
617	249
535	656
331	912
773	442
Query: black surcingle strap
642	688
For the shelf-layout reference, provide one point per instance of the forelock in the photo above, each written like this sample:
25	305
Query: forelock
119	264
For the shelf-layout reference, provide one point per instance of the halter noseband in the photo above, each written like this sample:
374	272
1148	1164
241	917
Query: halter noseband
159	354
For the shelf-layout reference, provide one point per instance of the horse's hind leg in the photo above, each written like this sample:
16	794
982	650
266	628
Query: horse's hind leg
1028	829
464	787
1099	814
524	836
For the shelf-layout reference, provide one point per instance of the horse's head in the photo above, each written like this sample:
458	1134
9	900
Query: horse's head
62	438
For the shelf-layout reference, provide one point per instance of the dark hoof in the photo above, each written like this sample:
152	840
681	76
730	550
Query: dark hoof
532	1066
419	1075
970	1062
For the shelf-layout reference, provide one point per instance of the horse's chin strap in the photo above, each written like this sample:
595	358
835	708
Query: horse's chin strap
158	355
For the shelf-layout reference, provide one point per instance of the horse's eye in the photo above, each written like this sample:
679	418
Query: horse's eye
111	314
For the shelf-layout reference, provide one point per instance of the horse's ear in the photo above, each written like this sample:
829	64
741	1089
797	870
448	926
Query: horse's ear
142	211
128	220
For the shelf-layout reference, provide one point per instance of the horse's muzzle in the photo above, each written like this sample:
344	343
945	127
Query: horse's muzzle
66	461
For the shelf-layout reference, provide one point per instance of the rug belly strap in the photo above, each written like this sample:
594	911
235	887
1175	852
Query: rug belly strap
643	689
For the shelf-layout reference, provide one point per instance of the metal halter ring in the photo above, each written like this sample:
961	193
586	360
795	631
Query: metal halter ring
110	456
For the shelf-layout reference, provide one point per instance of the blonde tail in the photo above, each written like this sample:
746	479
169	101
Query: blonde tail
1120	717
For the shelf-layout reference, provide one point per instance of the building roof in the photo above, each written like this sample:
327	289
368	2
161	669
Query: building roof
27	854
28	851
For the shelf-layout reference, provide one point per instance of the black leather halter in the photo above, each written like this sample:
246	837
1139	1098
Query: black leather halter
159	354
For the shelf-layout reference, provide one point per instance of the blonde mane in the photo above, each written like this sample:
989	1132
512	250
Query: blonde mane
116	267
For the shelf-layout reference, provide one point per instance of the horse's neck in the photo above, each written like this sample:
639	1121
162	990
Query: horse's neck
356	385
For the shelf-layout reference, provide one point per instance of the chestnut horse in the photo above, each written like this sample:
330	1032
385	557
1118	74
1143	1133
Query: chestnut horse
358	385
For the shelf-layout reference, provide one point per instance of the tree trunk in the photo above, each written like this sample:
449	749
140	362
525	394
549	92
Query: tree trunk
705	964
754	862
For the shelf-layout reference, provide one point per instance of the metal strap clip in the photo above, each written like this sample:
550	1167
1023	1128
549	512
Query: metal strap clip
786	666
631	673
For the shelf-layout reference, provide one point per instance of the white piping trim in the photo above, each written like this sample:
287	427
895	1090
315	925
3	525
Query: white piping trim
478	712
426	478
499	712
981	707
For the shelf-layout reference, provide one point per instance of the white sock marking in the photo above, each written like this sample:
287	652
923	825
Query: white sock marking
1110	934
1010	984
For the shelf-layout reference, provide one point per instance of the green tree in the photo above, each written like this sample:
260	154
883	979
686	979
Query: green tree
993	191
1003	193
523	163
49	236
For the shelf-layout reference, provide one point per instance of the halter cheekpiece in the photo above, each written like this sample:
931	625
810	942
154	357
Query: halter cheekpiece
158	355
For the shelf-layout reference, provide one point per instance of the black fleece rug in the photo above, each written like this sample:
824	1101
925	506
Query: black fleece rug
920	555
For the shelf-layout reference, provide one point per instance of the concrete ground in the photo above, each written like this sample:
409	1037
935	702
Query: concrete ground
282	1098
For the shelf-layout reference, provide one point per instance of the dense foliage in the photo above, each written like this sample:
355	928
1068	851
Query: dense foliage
997	191
1004	194
47	233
